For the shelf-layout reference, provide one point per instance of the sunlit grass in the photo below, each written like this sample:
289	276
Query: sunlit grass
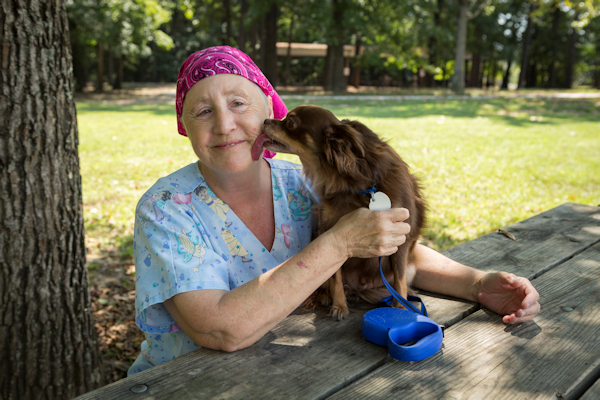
484	164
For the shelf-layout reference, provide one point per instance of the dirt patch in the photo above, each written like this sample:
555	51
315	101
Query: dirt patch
112	287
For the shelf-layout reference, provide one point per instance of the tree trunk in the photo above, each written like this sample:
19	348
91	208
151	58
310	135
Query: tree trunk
482	73
339	80
532	78
262	39
506	76
119	80
288	57
100	77
555	39
328	73
458	80
227	7
111	69
253	36
271	44
571	54
48	341
475	67
526	45
356	63
242	28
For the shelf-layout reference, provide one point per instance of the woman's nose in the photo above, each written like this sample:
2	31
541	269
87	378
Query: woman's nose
225	122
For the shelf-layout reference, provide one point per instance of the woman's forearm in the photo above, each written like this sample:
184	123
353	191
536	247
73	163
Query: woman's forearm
437	273
238	318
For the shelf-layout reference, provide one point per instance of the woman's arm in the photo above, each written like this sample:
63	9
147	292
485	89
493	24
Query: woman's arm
236	319
506	294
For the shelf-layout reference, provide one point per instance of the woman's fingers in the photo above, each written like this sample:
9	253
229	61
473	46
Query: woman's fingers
374	233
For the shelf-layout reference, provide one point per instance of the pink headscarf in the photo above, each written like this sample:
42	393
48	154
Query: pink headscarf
222	60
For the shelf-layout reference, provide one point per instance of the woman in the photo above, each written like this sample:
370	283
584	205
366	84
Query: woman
222	277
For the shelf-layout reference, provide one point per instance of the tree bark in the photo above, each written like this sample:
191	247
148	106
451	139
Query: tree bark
242	28
271	44
475	67
339	80
356	64
227	33
48	341
328	73
526	45
262	39
506	76
288	57
555	38
253	36
119	80
100	76
571	55
458	80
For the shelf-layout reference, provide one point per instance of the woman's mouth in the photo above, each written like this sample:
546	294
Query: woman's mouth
228	144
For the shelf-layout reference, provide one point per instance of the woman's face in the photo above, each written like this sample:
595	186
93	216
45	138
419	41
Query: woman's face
223	115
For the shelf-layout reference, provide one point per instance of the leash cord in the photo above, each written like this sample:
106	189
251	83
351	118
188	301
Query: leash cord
398	297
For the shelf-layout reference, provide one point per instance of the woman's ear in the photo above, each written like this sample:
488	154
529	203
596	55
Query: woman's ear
271	112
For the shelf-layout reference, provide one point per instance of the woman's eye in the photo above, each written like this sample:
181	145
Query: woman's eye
204	112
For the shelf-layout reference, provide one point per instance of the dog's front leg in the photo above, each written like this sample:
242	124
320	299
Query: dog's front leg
399	262
339	308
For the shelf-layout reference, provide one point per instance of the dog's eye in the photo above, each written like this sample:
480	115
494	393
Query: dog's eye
290	124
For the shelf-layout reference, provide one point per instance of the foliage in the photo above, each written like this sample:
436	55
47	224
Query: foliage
404	43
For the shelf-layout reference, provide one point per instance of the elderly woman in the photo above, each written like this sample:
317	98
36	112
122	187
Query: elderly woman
222	246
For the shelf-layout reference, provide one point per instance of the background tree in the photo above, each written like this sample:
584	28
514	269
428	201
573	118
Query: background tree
48	345
121	29
467	9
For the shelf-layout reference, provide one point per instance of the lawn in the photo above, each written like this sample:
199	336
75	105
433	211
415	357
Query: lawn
484	164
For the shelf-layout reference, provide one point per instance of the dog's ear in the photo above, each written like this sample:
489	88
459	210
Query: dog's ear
343	147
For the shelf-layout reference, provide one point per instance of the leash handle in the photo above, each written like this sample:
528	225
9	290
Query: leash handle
399	298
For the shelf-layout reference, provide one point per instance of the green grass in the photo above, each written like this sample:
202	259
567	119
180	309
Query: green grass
484	164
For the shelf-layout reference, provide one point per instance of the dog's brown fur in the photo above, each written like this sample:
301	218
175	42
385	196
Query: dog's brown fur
342	158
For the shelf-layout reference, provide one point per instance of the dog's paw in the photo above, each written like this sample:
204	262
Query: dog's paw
324	299
339	313
397	304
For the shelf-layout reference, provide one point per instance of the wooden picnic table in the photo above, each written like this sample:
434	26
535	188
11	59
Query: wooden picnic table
310	356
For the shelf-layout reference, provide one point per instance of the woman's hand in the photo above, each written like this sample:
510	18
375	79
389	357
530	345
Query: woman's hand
508	295
364	233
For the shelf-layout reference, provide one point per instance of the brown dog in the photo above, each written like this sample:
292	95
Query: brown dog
343	158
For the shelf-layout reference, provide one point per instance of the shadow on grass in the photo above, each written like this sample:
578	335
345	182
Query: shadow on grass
518	112
515	112
158	109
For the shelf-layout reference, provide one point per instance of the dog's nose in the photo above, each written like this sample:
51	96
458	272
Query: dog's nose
267	121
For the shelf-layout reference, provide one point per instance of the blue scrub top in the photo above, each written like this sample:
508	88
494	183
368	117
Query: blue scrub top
186	238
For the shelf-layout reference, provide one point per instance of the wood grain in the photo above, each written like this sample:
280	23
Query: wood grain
557	355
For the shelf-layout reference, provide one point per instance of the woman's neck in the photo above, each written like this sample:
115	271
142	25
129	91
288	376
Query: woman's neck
240	186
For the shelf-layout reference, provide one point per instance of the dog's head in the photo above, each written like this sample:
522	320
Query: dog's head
321	140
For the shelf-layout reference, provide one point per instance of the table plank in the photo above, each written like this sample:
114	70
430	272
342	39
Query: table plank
593	393
558	354
543	242
301	357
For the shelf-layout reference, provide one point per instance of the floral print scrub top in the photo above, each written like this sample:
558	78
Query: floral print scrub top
188	239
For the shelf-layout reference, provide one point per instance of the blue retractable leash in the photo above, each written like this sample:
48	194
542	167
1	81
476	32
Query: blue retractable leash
394	327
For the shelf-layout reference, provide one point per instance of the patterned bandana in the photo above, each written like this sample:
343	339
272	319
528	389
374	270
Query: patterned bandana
222	60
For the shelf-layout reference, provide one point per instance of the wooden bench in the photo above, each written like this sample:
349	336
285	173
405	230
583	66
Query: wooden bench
309	356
